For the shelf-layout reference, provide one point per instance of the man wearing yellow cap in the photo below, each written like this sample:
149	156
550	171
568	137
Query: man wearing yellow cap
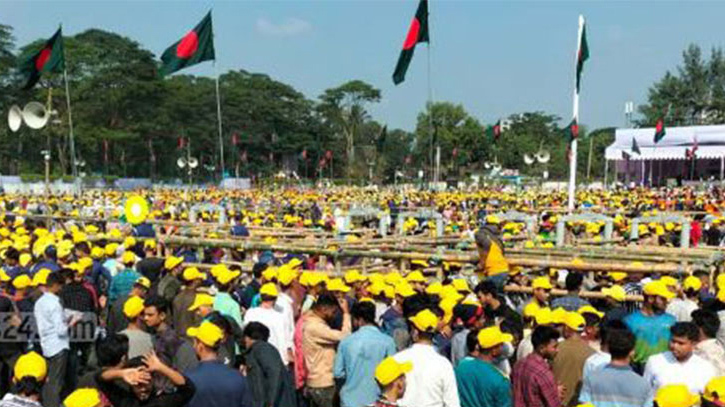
29	375
390	376
681	307
480	383
432	381
116	318
271	317
123	282
170	282
182	317
492	263
651	325
573	353
139	341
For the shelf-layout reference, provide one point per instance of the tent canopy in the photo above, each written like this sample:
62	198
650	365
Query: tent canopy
710	140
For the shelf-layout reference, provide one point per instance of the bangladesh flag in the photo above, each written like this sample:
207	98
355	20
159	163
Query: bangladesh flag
572	130
47	59
660	129
418	32
494	132
635	147
197	46
582	54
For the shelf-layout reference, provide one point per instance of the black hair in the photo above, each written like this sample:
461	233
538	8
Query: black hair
591	319
574	281
610	326
135	362
265	298
27	386
486	287
257	331
54	278
325	300
258	269
620	343
416	303
542	335
111	350
83	247
472	340
12	254
708	321
685	330
365	311
160	303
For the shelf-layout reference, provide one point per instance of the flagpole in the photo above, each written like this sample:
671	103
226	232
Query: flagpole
434	165
219	121
572	161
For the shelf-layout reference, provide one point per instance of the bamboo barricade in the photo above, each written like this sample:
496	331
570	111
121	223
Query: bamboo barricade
559	293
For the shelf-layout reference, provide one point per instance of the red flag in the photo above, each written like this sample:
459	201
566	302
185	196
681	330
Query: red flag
695	146
235	139
304	154
328	155
180	143
455	152
244	156
408	159
323	162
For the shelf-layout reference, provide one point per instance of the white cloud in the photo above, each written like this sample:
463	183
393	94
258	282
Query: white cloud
288	28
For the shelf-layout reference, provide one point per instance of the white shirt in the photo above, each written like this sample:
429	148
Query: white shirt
432	382
284	303
274	321
596	362
682	309
52	326
663	368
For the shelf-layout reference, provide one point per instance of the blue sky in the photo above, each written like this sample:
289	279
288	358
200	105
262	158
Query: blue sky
494	57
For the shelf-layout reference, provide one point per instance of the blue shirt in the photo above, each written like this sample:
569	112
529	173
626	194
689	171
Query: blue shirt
122	283
46	264
52	329
571	303
218	385
355	361
652	334
480	384
616	386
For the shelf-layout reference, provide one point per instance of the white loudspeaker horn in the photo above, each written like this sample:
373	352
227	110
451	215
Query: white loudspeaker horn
528	159
193	162
497	167
487	165
15	118
36	116
543	156
181	162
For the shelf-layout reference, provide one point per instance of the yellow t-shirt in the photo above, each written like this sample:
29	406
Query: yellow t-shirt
495	261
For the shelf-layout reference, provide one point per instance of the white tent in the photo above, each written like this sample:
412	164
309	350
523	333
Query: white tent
710	139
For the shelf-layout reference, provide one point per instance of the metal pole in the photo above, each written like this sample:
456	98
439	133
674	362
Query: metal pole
589	158
572	161
219	120
430	103
606	171
438	164
74	170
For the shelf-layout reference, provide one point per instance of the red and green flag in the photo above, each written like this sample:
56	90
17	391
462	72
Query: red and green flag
582	55
635	147
45	60
572	130
197	46
418	32
494	132
660	129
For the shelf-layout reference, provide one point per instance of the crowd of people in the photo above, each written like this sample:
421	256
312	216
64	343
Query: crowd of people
98	314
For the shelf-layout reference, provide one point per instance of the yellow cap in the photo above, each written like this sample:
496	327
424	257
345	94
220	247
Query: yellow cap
670	281
30	364
659	289
269	289
336	285
461	285
618	275
574	321
415	277
172	261
129	242
201	300
111	248
149	244
559	315
493	219
22	281
389	370
492	336
588	309
193	273
425	321
84	264
133	307
720	281
615	292
84	397
404	290
97	252
143	282
434	288
286	275
715	389
207	333
270	274
542	282
692	283
40	277
128	257
25	259
225	276
353	276
531	309
675	395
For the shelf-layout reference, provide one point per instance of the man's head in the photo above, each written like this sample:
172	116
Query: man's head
156	310
542	288
253	332
685	336
656	296
207	338
574	281
143	389
545	340
112	350
390	375
423	326
573	324
54	283
620	344
490	342
486	292
326	306
268	294
203	305
707	322
363	313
